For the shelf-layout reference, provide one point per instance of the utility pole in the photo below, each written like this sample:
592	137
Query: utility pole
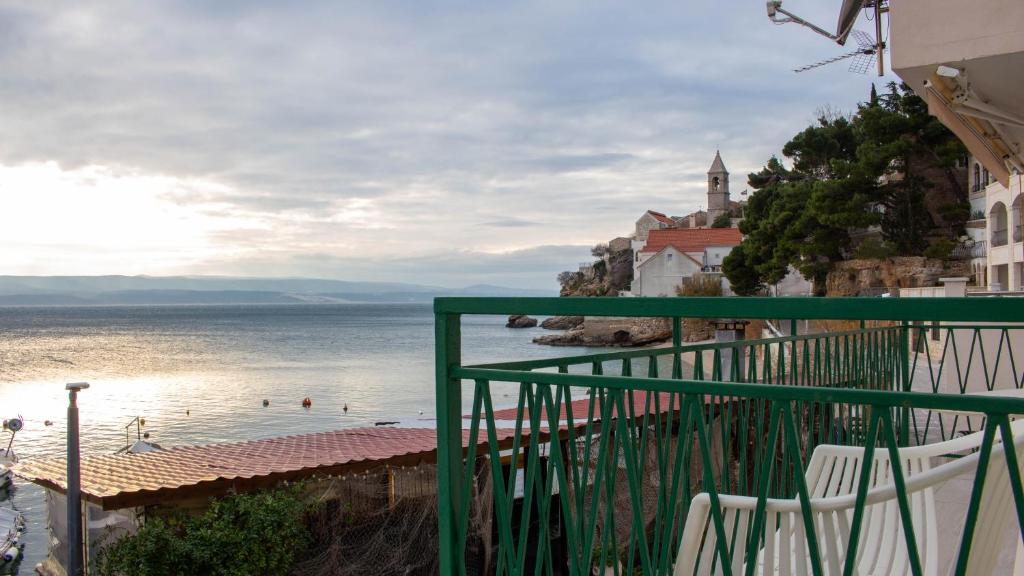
75	564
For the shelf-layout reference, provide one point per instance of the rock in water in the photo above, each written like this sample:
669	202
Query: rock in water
562	322
612	332
521	321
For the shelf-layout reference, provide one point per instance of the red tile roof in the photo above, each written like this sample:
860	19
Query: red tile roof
691	239
662	218
122	480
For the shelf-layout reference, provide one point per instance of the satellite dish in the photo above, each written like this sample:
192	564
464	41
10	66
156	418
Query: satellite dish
15	424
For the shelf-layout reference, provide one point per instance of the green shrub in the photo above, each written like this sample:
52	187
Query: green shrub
874	249
239	535
939	249
723	220
701	285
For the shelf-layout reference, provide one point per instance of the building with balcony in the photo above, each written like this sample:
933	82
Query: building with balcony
970	76
1005	258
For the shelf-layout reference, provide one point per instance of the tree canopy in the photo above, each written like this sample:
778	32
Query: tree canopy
849	173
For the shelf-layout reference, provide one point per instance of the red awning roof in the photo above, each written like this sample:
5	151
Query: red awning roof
691	239
125	480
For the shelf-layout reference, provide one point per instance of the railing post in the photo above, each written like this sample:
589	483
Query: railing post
448	354
677	345
905	381
74	491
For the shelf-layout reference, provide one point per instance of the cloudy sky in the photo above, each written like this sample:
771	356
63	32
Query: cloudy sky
446	143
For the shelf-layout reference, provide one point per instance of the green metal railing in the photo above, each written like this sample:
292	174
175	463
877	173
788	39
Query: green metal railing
607	450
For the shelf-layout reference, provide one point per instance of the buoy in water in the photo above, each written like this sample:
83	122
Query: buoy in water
47	423
266	402
345	407
306	402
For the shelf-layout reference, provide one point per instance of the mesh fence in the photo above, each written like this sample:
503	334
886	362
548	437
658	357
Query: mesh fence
384	522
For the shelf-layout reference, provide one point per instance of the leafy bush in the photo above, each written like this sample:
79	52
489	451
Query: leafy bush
242	534
701	285
875	249
940	249
723	220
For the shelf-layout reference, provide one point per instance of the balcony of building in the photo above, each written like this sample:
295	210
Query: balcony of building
712	458
968	72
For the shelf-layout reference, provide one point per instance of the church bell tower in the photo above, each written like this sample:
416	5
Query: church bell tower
718	189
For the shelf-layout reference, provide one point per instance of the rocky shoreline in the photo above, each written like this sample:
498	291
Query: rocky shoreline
611	332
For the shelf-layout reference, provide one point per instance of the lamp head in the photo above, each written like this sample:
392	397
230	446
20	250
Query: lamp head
773	5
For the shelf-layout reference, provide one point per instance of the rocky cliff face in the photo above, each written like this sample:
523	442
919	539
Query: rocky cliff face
612	273
867	276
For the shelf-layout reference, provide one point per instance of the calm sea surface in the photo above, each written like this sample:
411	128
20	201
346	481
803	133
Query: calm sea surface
199	374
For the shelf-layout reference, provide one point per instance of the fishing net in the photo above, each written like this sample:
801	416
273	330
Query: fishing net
384	522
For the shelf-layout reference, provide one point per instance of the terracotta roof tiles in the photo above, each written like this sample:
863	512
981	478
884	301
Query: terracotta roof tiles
118	480
691	239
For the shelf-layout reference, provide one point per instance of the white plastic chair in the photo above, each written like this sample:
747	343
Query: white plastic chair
832	476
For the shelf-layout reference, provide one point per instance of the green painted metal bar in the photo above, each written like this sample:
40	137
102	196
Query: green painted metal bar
975	502
447	351
840	387
972	310
896	465
863	482
1013	468
766	466
881	398
789	434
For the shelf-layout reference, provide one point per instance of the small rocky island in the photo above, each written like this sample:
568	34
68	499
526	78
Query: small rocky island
520	321
597	331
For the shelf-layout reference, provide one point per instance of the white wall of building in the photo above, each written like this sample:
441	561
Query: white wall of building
713	256
661	273
1005	235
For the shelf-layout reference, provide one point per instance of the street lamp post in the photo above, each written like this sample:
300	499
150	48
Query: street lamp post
74	483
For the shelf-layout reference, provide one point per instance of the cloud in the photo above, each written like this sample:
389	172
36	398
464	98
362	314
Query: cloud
384	129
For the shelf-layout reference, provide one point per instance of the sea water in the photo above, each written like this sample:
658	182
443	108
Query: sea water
199	374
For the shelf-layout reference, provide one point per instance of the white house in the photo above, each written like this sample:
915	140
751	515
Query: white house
671	255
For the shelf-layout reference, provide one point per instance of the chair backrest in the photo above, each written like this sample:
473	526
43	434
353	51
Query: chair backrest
832	483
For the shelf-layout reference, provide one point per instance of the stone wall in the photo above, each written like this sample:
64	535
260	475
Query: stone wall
867	276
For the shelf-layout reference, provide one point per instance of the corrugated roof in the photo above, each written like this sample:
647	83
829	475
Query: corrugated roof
691	239
123	480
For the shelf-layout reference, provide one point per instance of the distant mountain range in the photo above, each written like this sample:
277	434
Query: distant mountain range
125	290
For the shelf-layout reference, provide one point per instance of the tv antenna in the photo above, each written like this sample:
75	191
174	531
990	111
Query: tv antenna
863	57
870	49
